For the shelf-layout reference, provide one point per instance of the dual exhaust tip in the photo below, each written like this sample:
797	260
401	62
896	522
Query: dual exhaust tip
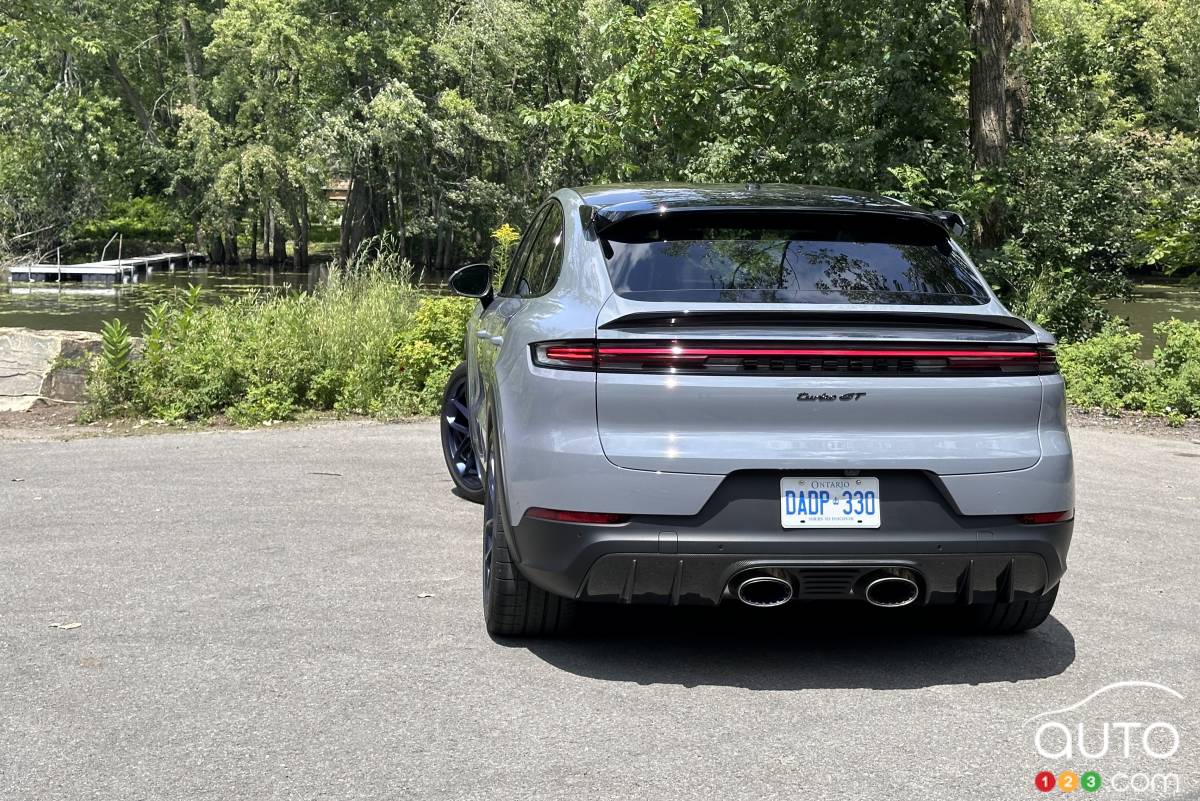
764	590
891	589
772	587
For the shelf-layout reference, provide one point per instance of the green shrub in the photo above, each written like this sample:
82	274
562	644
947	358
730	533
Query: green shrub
1176	370
424	354
1105	372
137	218
110	379
365	344
264	402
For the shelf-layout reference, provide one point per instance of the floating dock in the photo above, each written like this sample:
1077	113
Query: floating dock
111	271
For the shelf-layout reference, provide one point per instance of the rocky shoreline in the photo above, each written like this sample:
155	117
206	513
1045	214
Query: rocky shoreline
38	366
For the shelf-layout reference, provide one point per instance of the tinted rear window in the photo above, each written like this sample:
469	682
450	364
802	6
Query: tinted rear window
787	258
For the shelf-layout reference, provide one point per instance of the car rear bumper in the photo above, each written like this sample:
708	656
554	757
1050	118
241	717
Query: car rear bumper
691	560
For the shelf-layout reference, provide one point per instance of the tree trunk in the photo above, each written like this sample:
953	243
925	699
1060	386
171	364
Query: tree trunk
132	99
231	246
440	240
216	249
365	214
1020	39
424	235
268	233
254	241
278	242
67	74
403	234
346	245
988	105
298	216
302	233
191	59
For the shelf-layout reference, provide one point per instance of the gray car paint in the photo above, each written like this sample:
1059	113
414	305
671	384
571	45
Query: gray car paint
573	440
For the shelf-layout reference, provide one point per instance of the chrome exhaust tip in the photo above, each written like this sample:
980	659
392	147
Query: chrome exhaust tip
764	591
891	591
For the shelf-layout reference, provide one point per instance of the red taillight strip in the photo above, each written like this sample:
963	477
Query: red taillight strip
1042	518
686	352
563	516
676	356
583	354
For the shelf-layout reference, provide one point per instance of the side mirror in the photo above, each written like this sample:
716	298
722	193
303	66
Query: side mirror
473	281
953	221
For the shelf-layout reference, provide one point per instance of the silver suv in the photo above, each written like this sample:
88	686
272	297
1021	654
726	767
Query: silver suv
688	394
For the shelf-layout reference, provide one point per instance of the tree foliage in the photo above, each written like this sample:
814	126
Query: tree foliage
448	118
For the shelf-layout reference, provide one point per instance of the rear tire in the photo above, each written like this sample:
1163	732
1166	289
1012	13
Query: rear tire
1011	618
512	606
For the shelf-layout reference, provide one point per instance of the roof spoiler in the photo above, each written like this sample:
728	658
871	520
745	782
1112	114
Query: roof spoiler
800	319
595	221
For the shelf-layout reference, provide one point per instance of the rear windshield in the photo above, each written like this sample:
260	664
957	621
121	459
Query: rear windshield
787	258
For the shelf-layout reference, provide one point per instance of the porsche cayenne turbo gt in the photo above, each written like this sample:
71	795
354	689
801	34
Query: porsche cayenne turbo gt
686	394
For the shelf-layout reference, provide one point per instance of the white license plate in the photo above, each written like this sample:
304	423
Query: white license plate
829	502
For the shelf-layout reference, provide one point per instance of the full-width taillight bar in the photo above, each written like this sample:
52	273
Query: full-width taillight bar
641	355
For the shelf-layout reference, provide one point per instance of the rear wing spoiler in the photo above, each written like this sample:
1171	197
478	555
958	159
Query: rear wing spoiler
597	220
825	319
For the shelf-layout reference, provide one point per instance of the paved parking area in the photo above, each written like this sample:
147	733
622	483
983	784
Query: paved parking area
252	625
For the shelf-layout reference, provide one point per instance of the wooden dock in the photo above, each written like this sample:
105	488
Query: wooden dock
110	271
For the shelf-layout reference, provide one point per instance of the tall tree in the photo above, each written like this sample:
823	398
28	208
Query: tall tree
988	106
1020	39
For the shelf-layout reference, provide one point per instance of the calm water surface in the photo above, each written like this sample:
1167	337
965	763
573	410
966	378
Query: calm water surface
1153	303
85	307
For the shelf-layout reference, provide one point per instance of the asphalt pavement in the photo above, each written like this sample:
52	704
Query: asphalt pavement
294	613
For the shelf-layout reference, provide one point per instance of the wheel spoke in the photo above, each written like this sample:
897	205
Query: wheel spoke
487	555
462	450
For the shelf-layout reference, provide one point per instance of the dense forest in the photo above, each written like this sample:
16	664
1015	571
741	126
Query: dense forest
1066	130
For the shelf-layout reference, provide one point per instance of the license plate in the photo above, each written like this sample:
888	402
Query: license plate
829	502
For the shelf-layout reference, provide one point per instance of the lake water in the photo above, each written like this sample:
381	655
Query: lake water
1153	303
85	307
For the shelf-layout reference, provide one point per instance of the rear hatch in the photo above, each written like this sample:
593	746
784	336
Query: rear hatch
830	343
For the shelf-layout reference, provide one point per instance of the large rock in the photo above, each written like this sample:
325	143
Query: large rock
43	364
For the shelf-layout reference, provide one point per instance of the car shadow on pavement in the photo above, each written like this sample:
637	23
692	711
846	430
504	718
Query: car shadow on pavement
456	492
809	646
